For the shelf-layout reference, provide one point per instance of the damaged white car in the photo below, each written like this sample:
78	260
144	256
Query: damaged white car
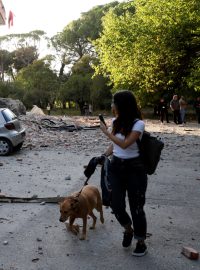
12	134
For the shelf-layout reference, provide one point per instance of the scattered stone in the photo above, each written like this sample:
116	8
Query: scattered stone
68	177
34	196
190	253
36	110
35	259
39	239
42	203
5	243
44	145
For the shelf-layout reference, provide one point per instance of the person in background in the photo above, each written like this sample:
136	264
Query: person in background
163	110
126	170
48	109
90	109
86	109
183	106
197	108
175	107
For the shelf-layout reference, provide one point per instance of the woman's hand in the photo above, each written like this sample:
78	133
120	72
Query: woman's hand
103	127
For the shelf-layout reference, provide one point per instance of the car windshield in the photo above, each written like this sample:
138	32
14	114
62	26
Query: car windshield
8	115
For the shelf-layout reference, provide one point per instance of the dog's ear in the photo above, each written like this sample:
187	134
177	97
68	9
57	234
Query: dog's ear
74	204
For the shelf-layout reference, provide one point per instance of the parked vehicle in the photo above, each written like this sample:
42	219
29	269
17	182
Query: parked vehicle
12	134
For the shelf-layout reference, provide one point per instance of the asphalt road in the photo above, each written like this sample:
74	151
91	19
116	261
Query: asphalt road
32	238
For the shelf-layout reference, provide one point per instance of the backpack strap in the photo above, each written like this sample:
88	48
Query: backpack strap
138	140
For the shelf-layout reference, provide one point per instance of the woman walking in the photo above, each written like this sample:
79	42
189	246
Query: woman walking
127	174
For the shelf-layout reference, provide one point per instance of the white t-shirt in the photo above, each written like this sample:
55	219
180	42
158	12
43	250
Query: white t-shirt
132	150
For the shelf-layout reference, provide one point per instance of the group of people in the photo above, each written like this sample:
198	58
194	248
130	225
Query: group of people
178	108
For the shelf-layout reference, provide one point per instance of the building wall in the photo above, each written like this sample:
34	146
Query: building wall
2	14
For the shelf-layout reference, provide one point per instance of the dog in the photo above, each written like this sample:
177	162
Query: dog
80	205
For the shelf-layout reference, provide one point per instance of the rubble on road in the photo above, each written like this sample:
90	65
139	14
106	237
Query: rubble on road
62	131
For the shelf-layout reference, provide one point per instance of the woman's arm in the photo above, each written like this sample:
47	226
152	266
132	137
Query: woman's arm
109	150
130	139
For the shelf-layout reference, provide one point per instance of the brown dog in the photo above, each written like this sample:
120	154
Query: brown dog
80	205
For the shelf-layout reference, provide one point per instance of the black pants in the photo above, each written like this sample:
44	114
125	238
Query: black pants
127	176
164	114
177	118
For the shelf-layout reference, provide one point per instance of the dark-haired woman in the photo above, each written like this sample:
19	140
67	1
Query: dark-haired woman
127	174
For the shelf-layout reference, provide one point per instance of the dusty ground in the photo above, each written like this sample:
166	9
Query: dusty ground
51	163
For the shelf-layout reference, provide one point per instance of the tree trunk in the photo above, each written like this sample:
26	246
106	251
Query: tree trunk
61	72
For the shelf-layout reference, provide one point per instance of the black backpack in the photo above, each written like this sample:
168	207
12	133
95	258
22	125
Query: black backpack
150	148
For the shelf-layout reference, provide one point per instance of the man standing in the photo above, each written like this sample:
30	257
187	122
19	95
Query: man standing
163	110
175	107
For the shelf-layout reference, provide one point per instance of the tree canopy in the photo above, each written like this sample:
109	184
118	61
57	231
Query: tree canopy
39	83
152	48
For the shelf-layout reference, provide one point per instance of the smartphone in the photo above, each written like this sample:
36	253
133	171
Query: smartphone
102	119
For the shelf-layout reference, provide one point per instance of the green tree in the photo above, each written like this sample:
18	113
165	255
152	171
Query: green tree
22	50
34	38
6	61
23	57
39	82
81	87
100	93
78	85
154	50
11	90
78	89
75	40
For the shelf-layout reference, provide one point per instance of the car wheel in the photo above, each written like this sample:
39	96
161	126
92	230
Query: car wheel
18	147
5	147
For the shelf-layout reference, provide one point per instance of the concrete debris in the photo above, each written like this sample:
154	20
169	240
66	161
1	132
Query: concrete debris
190	253
36	110
68	177
59	132
15	105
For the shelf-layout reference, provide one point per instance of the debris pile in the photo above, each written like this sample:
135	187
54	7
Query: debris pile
74	133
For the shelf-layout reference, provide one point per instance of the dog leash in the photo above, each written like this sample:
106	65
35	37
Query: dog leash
85	184
89	171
